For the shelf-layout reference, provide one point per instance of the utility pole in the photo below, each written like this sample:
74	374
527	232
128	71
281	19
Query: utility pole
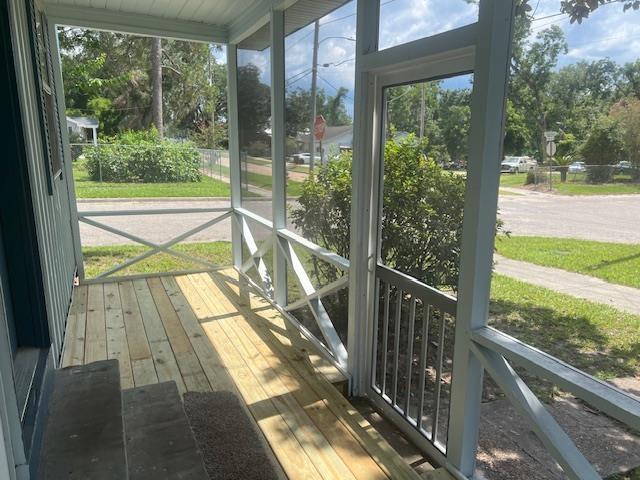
156	77
421	110
314	81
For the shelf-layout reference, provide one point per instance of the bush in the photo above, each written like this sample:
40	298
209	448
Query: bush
142	157
599	174
422	212
604	144
531	177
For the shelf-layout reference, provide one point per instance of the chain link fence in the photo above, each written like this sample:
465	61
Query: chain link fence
547	178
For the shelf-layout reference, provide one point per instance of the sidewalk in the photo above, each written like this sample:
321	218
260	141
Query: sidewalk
623	298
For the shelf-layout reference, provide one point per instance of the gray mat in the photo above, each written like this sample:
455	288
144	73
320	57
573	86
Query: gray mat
230	444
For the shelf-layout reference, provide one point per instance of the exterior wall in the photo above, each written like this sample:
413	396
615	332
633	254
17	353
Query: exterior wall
52	209
12	457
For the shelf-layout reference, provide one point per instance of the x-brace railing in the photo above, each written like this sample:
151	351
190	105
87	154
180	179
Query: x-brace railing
154	248
312	297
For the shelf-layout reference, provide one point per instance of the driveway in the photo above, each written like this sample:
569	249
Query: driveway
603	218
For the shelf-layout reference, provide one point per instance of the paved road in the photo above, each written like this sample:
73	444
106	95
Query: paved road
613	218
161	228
604	218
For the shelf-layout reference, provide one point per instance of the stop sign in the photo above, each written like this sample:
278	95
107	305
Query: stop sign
319	127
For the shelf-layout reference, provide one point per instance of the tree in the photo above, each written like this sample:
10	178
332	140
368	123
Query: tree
631	76
108	75
602	149
156	76
579	94
532	70
626	115
254	105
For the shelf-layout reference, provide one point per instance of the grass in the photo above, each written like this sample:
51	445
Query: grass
575	185
100	259
593	337
87	188
612	262
294	189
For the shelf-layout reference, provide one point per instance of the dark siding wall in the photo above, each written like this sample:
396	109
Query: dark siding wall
51	206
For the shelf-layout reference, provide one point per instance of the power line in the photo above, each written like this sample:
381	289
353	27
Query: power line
333	86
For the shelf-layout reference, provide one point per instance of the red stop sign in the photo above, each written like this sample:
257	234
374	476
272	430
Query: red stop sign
319	127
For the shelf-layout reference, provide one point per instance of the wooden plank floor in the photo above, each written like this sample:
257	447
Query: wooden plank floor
207	333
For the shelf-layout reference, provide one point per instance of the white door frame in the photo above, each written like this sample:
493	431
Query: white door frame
482	48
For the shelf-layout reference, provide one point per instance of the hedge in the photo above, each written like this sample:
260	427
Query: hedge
143	161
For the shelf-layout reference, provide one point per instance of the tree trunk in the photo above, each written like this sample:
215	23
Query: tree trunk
156	77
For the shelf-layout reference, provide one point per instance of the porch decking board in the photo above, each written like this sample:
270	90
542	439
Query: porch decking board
360	429
75	334
95	348
117	346
207	333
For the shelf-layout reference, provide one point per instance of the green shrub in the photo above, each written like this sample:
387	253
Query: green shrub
422	212
142	157
531	178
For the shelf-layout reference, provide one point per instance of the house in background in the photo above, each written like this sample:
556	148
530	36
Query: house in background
85	127
336	139
233	329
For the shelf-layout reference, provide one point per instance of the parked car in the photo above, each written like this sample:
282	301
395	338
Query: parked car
304	158
577	167
623	167
517	164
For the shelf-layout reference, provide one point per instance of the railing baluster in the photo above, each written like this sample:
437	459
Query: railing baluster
412	323
376	350
396	345
424	348
385	337
438	386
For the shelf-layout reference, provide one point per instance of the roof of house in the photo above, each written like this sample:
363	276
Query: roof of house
330	133
84	122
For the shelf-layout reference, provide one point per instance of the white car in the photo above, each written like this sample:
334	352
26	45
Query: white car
517	164
577	167
304	158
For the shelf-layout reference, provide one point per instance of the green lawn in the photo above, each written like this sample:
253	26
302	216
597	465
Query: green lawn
574	185
100	259
86	188
596	338
294	189
612	262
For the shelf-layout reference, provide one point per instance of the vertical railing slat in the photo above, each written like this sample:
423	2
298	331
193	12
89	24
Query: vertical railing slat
396	344
385	337
424	348
410	339
438	384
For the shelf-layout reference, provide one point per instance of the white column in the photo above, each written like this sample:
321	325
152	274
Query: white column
278	168
362	249
234	148
478	233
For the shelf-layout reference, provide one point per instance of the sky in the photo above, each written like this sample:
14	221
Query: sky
608	32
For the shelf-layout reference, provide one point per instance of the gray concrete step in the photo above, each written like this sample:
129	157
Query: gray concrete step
159	441
84	435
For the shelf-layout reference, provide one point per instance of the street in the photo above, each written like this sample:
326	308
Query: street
604	218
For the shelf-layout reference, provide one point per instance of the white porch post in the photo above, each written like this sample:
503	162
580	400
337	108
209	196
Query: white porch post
362	249
478	233
234	149
278	169
66	148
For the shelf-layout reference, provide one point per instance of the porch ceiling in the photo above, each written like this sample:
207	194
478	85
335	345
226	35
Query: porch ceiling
218	21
